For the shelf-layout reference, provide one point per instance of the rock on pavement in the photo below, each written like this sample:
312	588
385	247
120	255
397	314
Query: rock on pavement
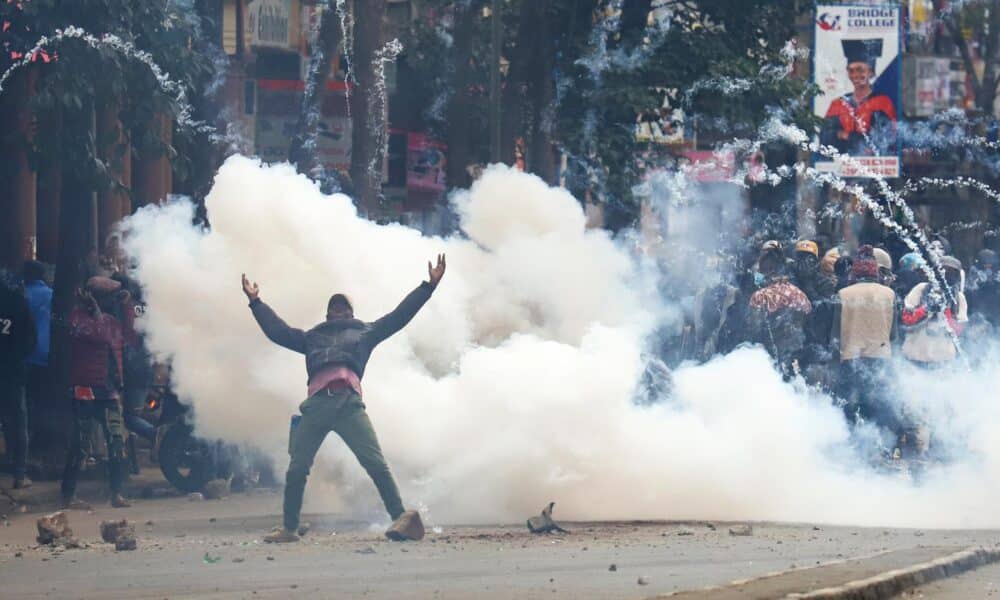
53	527
217	489
120	533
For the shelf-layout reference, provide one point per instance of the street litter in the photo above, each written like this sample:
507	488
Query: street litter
543	523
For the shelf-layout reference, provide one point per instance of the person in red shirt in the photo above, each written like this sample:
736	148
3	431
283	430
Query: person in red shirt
863	112
95	384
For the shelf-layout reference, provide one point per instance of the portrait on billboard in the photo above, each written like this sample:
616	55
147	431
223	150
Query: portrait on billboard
857	68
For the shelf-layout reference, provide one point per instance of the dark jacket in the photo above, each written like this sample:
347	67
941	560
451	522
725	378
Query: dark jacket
982	289
95	350
347	342
17	334
820	289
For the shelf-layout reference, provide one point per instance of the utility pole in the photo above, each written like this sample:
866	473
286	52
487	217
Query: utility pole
495	83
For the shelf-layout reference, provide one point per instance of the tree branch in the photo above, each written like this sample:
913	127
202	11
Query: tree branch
948	16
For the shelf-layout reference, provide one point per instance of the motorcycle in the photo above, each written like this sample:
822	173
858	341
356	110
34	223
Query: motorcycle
187	461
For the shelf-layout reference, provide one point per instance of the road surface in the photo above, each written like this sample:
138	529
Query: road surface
213	549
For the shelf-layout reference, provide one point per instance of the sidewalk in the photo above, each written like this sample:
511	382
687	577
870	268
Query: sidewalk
44	496
877	577
981	583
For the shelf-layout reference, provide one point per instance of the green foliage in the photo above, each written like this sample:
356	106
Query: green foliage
429	57
708	41
83	77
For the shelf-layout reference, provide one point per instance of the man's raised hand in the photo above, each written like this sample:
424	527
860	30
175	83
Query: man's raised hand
250	289
436	273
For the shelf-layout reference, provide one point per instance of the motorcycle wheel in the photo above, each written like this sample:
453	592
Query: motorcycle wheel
185	460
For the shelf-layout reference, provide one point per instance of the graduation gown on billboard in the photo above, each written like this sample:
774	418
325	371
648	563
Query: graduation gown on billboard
874	116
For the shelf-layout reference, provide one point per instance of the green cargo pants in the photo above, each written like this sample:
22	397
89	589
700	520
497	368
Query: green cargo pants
107	413
342	411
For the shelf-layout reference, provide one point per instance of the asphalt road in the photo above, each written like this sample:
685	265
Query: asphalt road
213	549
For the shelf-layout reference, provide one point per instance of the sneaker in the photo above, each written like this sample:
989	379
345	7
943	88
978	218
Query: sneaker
408	526
22	483
280	535
119	501
74	503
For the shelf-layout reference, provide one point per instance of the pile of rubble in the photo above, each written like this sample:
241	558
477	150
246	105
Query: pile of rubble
54	530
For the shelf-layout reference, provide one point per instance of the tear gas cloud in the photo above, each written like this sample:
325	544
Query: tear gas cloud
514	385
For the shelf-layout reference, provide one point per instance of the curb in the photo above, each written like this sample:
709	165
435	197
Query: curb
891	583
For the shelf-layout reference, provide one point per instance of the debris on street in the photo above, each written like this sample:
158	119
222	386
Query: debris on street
121	533
543	523
216	489
409	526
54	530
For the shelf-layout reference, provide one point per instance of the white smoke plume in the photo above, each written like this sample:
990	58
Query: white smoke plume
514	385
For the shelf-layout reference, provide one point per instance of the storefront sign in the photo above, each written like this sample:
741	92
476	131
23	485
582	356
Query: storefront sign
279	103
269	24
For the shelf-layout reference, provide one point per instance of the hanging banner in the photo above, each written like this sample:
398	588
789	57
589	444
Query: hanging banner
857	67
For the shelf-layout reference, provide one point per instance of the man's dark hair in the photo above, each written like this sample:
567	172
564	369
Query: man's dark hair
339	299
34	271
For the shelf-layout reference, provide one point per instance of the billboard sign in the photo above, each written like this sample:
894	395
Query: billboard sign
858	68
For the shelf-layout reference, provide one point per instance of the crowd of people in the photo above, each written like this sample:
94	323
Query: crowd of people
845	323
107	369
842	322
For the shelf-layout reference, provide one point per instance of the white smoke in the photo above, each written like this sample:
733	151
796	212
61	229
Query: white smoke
514	385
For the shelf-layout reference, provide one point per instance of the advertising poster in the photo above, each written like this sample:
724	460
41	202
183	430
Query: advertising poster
858	68
425	164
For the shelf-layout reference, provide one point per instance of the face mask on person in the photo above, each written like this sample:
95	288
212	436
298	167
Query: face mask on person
805	264
759	279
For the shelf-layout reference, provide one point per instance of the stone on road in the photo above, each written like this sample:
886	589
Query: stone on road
350	558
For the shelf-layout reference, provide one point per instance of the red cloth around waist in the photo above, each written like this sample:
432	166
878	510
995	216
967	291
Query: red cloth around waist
333	377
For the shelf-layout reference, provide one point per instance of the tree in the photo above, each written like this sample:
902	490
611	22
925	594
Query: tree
976	20
368	117
302	152
461	107
580	72
84	80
